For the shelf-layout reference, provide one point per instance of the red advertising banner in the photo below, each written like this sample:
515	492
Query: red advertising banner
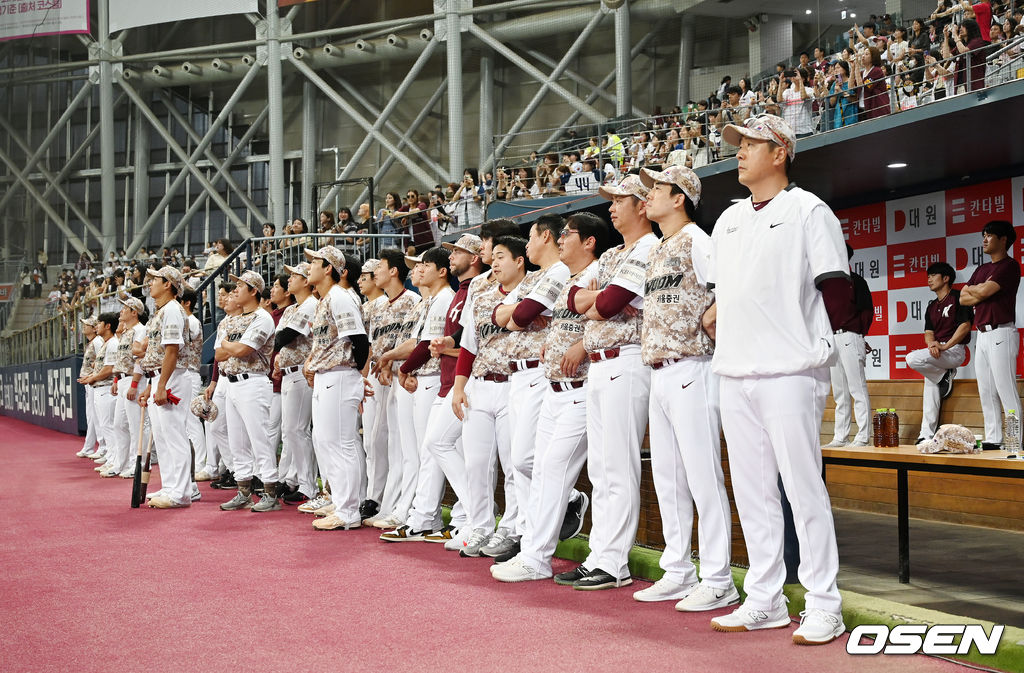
895	241
6	292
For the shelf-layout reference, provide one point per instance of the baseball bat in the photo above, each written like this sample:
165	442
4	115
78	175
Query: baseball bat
144	485
137	479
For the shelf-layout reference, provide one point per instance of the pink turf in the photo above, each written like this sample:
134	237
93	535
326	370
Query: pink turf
91	585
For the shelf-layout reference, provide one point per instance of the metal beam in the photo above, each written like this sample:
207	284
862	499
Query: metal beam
453	55
310	125
82	94
584	108
275	188
108	183
51	180
210	156
382	117
348	108
405	139
549	62
43	203
221	173
534	103
356	95
486	139
140	200
189	161
687	44
623	62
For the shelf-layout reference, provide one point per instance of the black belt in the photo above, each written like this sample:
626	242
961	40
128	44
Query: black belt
235	378
496	378
665	363
606	354
523	365
289	370
562	386
151	374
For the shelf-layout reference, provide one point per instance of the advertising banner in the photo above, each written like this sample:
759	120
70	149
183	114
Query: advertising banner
131	13
45	393
35	18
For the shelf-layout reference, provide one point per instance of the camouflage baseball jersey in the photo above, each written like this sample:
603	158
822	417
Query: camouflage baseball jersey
566	329
337	317
165	328
89	358
125	362
625	268
490	342
256	330
392	321
544	288
371	312
107	357
675	299
298	317
192	352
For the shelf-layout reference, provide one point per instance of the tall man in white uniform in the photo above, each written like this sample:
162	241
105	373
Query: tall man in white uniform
92	448
618	389
127	375
166	375
992	292
686	455
779	259
101	382
947	331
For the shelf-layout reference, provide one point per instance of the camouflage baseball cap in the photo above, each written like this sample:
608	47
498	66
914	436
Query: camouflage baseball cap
250	278
329	254
628	186
411	262
300	269
370	265
680	176
134	303
470	243
203	408
763	127
168	273
90	321
675	158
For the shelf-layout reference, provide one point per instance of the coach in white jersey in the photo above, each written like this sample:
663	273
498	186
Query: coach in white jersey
618	386
165	374
127	375
93	447
292	343
778	257
686	456
101	382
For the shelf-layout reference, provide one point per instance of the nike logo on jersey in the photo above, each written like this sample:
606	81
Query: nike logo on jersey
612	378
772	226
687	385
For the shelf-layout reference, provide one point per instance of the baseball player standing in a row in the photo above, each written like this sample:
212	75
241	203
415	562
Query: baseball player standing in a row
782	285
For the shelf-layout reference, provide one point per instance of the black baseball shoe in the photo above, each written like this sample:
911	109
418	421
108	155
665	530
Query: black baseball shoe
572	523
599	579
295	497
946	384
570	577
224	482
368	509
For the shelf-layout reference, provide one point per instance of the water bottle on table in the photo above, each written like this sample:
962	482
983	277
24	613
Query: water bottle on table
1011	434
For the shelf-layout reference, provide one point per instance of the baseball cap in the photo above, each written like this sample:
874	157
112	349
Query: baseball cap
470	243
680	176
763	127
90	321
329	254
300	269
203	408
168	273
370	265
250	278
675	158
411	262
134	303
628	186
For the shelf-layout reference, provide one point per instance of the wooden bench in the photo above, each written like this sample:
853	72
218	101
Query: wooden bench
975	499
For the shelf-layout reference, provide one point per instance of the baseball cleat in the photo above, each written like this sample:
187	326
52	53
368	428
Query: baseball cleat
572	523
163	502
388	522
496	543
705	597
240	501
443	535
326	510
316	503
744	618
404	534
517	570
368	509
664	589
818	627
598	579
335	522
475	543
570	577
203	475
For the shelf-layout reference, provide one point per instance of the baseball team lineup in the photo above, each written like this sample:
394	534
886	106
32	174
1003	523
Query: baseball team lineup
542	355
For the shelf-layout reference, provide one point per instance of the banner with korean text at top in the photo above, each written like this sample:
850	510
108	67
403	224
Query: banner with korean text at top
35	18
894	243
131	13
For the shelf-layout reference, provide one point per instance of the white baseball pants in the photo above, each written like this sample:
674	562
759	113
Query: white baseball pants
375	439
248	411
772	428
409	444
442	439
686	463
933	369
388	430
103	410
560	452
995	365
217	448
296	415
849	379
618	392
90	420
484	432
169	438
526	394
336	397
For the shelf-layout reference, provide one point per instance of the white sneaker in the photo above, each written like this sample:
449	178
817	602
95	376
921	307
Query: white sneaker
101	458
818	627
836	443
128	474
316	503
84	453
517	570
456	543
388	522
749	619
105	467
326	510
196	495
664	590
150	496
706	597
860	442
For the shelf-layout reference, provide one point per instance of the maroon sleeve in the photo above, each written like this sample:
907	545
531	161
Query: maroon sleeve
527	311
571	303
216	372
866	319
612	300
464	367
839	303
1007	276
419	357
